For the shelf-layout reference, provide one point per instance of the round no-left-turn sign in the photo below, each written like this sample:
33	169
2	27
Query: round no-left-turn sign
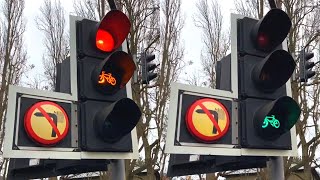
207	120
46	123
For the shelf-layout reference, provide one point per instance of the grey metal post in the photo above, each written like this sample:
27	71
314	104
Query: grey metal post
277	169
118	169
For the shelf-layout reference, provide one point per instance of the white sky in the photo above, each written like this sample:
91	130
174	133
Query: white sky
34	37
191	35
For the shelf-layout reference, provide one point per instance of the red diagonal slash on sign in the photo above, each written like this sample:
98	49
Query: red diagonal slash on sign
45	114
213	120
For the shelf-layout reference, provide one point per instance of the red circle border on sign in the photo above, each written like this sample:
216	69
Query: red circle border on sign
33	135
194	131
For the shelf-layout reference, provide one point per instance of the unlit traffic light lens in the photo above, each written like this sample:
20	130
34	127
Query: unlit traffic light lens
271	30
104	41
273	71
116	120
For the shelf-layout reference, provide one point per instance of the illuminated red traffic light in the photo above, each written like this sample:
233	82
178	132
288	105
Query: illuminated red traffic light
104	41
112	31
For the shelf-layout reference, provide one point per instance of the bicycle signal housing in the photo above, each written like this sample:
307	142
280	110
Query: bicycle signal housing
107	114
264	69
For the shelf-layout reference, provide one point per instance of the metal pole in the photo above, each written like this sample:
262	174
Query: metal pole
118	169
277	169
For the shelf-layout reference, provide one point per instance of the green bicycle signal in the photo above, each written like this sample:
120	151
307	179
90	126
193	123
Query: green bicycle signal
272	121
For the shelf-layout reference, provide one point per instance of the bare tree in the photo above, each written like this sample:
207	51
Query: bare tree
13	56
37	82
216	41
91	9
253	8
51	22
153	99
305	32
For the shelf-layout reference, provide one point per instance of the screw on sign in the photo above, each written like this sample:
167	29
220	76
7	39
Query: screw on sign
207	120
46	123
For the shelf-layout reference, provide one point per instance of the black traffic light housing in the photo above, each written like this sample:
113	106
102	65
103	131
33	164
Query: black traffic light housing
148	68
106	115
305	65
267	113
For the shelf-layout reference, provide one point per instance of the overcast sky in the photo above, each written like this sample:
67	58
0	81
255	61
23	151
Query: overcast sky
34	37
191	35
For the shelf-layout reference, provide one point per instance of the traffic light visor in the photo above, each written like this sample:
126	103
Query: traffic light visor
271	30
309	55
273	71
276	118
117	119
113	73
112	31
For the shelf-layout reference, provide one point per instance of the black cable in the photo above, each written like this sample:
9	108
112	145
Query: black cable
112	5
272	4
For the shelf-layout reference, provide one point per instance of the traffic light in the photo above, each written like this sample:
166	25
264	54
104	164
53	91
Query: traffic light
305	66
148	68
267	113
106	115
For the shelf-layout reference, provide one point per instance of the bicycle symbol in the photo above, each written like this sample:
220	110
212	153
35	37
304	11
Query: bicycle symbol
106	77
272	120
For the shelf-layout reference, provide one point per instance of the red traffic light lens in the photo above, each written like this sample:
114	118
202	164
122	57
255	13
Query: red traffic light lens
104	41
271	30
263	40
112	31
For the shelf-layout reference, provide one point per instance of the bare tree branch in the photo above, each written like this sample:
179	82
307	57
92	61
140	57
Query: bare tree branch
51	22
216	41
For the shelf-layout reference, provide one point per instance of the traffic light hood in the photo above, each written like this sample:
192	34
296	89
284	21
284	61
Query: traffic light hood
113	73
117	119
271	30
276	118
273	71
112	31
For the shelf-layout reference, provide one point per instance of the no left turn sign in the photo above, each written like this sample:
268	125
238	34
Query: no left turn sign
207	120
46	123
